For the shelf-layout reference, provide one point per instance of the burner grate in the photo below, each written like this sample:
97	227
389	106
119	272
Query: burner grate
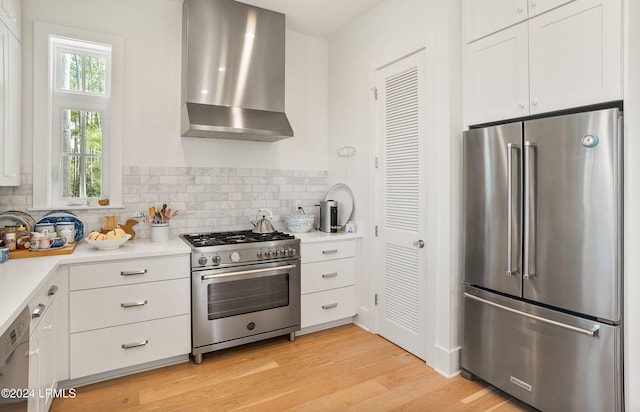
230	238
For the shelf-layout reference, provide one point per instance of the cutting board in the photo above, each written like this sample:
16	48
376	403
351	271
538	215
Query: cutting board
26	253
127	227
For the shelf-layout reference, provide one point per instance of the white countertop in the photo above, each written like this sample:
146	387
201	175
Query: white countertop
21	278
319	236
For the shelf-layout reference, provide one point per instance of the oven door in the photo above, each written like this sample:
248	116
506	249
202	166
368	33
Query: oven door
242	301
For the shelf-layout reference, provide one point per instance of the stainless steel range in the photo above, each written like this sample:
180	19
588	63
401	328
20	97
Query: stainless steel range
245	287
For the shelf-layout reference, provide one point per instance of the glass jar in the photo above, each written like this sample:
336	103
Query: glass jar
10	240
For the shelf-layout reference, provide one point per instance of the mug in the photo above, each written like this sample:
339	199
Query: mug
45	243
57	242
4	254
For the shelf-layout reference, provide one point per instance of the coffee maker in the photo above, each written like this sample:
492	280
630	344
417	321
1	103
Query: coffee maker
329	216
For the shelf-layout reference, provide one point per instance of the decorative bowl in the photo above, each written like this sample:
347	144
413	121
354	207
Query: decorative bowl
299	223
108	244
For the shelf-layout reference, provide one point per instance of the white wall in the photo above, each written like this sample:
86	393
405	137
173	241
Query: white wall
390	31
151	128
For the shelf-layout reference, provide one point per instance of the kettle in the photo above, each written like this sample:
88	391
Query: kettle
262	225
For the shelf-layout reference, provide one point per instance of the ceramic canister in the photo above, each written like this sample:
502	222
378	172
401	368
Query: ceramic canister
42	227
63	226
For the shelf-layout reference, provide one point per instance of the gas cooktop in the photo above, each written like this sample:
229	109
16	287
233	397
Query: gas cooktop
233	238
223	249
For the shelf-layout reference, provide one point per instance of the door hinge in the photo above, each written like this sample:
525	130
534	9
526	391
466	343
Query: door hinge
376	162
376	230
375	92
376	299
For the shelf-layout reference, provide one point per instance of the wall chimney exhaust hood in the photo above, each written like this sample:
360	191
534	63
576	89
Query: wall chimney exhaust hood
233	64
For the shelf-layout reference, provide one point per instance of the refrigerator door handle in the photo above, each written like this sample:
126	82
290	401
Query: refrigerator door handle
510	270
593	332
530	199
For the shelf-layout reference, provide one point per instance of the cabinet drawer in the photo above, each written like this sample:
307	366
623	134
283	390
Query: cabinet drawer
102	350
330	274
327	306
42	301
315	252
126	272
119	305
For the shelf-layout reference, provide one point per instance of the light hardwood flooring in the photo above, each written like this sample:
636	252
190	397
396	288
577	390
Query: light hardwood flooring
345	368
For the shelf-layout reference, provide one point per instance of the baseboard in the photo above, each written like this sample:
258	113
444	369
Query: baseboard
323	326
447	361
99	377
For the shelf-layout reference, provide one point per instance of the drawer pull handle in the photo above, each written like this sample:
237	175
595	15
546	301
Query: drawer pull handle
133	304
329	252
330	275
38	311
134	272
52	290
329	306
593	332
134	345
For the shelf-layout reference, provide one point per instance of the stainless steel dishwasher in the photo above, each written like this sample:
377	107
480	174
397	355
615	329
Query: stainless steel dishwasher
14	364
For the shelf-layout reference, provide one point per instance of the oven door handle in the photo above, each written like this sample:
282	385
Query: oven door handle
247	272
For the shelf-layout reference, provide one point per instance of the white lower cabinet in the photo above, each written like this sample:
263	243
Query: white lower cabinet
327	282
328	306
107	349
42	347
127	313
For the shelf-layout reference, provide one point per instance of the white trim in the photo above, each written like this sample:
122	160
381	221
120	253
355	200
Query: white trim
447	361
43	169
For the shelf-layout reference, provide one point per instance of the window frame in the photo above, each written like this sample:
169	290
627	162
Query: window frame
50	100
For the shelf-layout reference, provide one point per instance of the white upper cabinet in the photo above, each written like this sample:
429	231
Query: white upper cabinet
567	57
10	104
497	76
483	17
10	14
575	56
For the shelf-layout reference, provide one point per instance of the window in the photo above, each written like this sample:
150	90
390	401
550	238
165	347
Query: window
76	98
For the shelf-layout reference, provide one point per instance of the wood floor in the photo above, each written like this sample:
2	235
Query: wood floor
345	368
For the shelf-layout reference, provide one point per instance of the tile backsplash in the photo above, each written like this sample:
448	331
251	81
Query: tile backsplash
209	198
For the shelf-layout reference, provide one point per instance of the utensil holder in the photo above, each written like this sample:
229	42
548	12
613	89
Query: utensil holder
159	232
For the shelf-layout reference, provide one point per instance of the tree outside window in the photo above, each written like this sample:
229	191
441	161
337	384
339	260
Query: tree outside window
79	75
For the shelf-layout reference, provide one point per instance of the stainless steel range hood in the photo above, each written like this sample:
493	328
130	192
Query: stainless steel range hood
233	72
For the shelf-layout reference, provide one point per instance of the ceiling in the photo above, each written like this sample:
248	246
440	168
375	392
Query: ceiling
319	18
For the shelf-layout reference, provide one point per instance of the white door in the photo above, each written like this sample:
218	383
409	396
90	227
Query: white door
401	199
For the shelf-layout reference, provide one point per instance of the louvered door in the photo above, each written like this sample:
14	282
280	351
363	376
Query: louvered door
402	215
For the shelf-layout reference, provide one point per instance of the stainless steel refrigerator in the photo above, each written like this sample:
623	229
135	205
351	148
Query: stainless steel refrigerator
542	305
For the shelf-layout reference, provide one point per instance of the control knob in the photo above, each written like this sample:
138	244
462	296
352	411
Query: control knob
292	252
234	256
202	260
216	260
